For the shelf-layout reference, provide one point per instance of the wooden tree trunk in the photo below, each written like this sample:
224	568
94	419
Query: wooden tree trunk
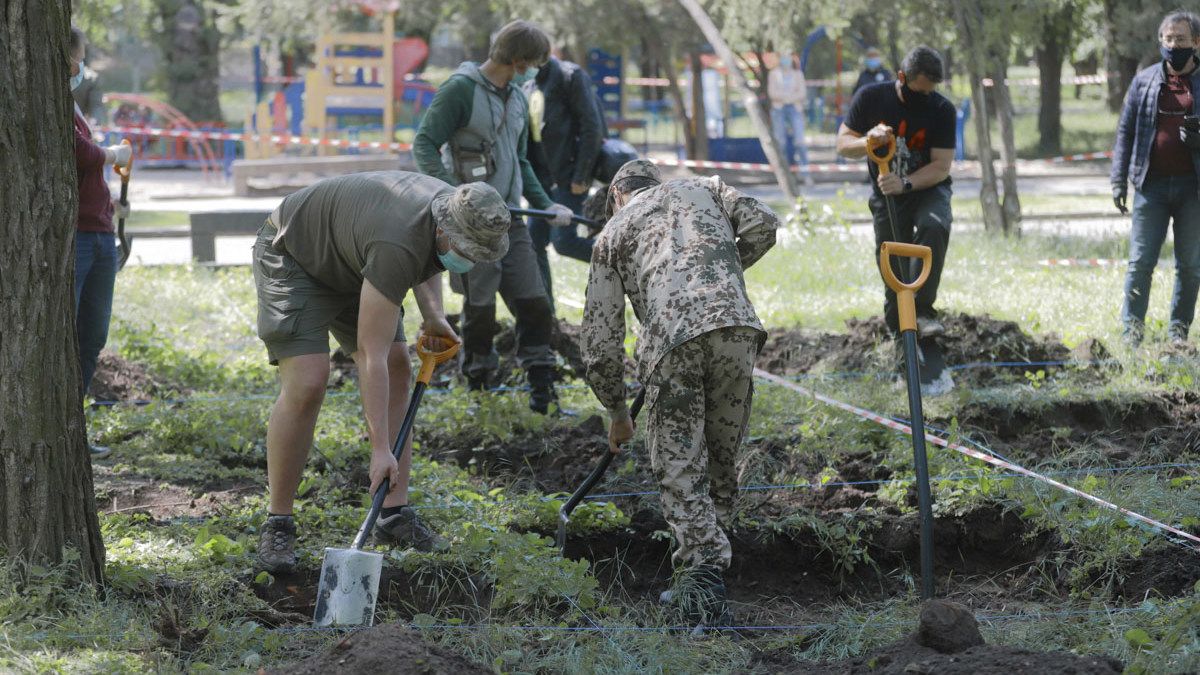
1055	42
969	32
762	126
698	148
190	45
47	506
1008	152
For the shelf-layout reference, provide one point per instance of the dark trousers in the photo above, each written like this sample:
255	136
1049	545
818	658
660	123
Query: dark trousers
921	218
95	275
566	240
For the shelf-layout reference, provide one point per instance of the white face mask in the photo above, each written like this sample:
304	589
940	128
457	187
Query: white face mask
77	79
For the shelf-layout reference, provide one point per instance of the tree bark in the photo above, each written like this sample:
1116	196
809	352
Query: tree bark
1118	68
970	33
190	45
1055	42
698	149
47	506
1011	207
762	126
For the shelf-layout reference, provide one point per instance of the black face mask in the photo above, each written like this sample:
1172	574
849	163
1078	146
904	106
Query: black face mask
1178	57
913	98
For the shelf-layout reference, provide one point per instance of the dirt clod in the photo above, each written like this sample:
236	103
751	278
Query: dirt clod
391	648
948	627
119	380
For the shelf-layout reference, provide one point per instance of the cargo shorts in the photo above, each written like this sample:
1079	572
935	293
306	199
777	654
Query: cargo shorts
296	313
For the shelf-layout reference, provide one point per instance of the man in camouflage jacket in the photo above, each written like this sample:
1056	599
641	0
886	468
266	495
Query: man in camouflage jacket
678	250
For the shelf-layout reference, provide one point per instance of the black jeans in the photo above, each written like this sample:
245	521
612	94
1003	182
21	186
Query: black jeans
921	218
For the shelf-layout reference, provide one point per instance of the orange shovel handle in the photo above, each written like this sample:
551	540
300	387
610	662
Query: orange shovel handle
905	293
882	161
426	344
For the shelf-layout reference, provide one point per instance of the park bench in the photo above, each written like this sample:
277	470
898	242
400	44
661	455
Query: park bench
336	165
206	226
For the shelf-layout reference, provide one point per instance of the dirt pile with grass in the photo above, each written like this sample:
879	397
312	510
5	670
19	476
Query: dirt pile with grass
117	379
387	649
867	348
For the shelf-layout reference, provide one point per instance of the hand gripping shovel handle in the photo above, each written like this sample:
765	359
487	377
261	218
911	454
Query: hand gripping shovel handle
883	162
535	213
564	512
908	328
429	361
123	172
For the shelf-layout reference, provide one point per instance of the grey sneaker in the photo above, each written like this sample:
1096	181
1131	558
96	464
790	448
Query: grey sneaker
99	451
277	545
928	326
406	529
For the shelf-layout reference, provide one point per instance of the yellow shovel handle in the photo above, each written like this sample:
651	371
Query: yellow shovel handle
905	293
426	346
123	171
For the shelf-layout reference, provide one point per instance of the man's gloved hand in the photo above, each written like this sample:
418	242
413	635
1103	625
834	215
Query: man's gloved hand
1190	138
562	215
120	211
1120	193
118	155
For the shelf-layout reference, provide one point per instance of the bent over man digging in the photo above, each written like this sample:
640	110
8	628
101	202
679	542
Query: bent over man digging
678	251
339	256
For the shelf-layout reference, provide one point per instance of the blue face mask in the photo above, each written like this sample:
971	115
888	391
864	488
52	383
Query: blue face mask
525	76
77	80
453	262
873	64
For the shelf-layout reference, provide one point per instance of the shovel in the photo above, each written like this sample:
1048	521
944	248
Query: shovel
564	512
123	172
547	215
349	582
907	306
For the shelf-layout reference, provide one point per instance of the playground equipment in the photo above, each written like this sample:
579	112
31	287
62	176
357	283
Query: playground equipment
356	75
153	151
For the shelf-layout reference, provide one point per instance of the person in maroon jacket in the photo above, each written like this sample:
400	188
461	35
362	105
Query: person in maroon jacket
95	239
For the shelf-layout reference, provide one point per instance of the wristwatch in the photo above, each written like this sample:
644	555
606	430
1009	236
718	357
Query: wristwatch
907	185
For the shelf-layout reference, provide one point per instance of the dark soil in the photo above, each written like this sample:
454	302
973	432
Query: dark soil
907	657
1166	571
385	649
867	348
119	380
165	501
1159	427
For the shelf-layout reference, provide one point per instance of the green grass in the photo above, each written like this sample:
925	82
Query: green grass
147	220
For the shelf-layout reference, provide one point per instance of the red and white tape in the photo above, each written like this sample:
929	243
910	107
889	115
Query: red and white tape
277	139
1081	262
858	167
975	454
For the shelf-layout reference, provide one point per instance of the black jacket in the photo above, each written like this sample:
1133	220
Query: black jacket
572	129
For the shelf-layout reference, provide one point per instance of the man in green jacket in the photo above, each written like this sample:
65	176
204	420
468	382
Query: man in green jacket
476	129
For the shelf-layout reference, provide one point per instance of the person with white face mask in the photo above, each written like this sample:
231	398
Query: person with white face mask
477	129
788	91
96	256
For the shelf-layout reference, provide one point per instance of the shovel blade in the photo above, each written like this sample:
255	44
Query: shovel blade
348	588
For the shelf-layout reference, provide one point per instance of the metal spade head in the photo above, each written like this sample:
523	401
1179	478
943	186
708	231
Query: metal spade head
348	588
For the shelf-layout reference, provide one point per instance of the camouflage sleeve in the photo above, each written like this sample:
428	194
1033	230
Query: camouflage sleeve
602	338
754	223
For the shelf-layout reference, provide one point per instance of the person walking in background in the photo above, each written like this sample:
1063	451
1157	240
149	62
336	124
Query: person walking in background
96	256
1158	150
788	92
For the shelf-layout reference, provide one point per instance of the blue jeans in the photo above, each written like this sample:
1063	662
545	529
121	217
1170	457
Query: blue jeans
1163	201
566	240
95	276
781	118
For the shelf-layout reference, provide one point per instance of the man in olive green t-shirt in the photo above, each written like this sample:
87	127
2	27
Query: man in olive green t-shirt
339	256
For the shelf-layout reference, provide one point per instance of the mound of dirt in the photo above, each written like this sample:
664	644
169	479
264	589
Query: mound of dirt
391	648
119	380
1166	571
867	347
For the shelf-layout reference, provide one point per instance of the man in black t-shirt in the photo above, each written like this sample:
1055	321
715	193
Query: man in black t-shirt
919	183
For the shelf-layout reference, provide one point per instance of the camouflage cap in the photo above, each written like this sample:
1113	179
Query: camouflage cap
638	168
476	219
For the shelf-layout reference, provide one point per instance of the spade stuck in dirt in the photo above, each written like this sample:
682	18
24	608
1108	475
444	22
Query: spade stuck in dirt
349	584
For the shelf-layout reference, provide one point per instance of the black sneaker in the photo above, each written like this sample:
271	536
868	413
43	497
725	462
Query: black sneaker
406	529
99	451
697	597
277	545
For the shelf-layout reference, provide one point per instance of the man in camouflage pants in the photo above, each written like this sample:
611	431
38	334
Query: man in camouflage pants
678	250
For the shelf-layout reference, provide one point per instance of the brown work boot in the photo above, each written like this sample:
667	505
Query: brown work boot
277	545
406	529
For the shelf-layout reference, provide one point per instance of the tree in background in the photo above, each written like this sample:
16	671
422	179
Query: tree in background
1056	27
186	33
47	505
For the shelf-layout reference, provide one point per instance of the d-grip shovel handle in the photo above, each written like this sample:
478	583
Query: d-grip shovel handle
905	293
883	162
429	360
